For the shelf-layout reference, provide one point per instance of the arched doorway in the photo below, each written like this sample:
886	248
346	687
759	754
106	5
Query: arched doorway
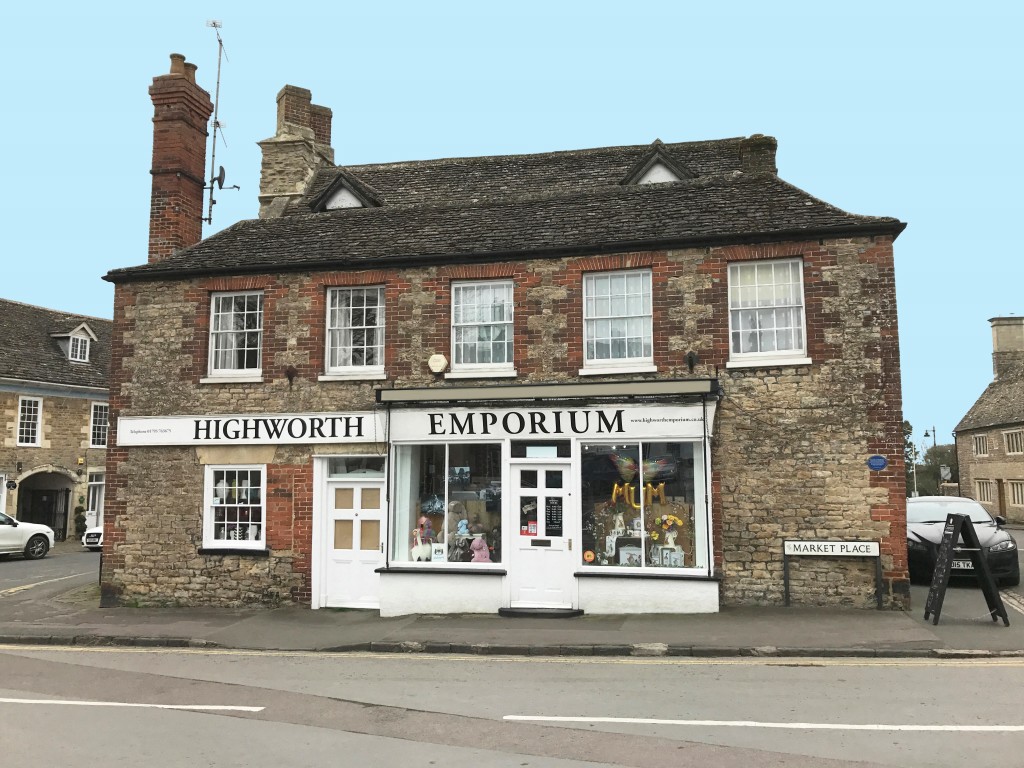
44	497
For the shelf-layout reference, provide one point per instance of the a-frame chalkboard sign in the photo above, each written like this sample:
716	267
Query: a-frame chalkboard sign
957	526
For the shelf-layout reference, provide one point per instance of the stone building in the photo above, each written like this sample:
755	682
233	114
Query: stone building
604	380
53	393
990	437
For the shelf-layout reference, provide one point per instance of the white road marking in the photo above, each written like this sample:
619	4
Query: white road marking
756	724
1013	600
200	707
22	588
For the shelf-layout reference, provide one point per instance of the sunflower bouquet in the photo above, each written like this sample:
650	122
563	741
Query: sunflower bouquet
666	524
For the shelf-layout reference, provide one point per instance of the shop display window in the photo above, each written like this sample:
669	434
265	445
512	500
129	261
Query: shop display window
638	503
447	503
234	513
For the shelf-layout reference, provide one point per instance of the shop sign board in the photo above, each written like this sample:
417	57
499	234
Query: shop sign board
252	429
528	423
832	548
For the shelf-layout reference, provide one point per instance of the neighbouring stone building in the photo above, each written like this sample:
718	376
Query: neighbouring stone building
53	394
990	437
604	380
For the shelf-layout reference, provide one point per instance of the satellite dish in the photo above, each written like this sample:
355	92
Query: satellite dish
219	178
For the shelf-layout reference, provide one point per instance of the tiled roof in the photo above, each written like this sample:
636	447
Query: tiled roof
454	180
728	207
1001	404
30	353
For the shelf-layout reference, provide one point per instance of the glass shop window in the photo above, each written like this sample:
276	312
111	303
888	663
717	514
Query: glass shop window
358	466
447	503
638	502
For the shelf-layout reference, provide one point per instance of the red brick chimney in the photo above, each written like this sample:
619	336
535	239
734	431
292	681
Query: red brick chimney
181	112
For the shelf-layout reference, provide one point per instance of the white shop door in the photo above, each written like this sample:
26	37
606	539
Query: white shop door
543	532
353	544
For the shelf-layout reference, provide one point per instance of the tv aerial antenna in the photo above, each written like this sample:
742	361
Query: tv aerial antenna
218	128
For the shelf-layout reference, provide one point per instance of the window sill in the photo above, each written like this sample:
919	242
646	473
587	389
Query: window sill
769	362
612	370
234	551
368	375
483	373
442	569
687	574
248	379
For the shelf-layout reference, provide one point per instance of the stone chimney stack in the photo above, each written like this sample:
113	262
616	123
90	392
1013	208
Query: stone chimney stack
291	158
1007	346
757	154
181	112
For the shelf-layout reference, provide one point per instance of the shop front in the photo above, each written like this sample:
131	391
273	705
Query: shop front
550	498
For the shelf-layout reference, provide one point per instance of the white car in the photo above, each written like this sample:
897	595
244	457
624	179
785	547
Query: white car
28	539
93	538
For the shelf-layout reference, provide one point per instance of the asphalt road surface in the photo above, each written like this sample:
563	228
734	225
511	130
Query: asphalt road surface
83	707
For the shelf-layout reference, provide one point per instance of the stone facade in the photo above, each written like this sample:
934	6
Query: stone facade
788	451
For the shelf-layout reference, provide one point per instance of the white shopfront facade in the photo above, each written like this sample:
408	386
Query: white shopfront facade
555	498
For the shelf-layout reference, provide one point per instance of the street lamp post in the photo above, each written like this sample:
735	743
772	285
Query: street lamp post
914	468
935	444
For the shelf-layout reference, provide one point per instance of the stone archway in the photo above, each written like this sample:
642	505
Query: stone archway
44	496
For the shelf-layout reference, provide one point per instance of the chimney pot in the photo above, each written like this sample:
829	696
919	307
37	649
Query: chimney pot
190	72
177	64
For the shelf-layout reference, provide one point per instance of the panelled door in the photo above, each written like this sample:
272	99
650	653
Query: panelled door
354	544
543	533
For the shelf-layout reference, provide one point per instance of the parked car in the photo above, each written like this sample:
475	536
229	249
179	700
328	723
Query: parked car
93	539
29	539
926	518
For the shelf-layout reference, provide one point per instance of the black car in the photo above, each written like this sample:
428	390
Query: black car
926	518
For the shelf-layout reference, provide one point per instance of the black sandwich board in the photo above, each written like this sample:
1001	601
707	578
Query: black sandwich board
958	526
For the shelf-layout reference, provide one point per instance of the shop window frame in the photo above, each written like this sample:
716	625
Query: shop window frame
210	543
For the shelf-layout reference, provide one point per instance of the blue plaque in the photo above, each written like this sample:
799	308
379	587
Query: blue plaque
877	463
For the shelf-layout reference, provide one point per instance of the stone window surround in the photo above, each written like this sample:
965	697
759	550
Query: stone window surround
985	490
213	545
1015	493
34	423
1013	440
796	356
981	445
95	426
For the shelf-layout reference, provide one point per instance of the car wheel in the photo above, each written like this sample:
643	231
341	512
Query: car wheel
36	548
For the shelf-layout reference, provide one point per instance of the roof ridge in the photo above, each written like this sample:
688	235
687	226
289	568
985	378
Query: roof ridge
53	311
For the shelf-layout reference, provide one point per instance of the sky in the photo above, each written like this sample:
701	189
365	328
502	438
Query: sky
908	109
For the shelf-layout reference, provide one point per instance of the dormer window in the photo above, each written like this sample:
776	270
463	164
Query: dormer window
78	352
659	173
75	343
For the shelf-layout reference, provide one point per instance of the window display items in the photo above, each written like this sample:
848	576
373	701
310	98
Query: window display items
666	530
420	551
426	530
480	551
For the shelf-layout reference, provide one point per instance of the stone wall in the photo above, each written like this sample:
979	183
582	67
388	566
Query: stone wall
998	466
789	447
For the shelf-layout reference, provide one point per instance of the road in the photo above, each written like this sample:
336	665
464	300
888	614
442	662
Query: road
378	710
67	566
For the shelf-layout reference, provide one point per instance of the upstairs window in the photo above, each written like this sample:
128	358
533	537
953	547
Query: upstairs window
79	349
30	421
482	326
1014	441
617	319
98	425
355	330
981	445
236	334
766	310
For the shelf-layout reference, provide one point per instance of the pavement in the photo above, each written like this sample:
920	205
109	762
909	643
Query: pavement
965	629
